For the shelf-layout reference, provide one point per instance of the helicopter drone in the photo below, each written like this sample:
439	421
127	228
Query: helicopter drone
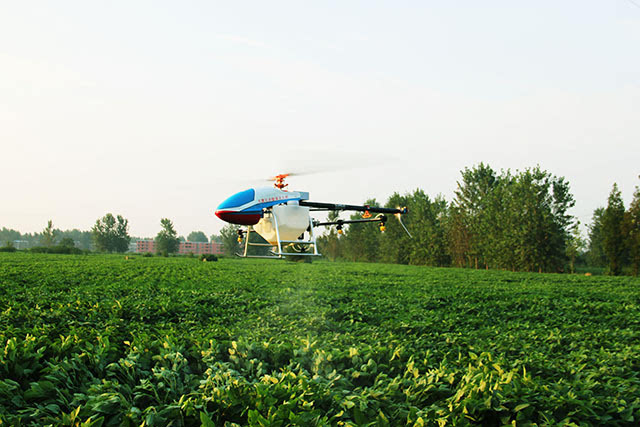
283	217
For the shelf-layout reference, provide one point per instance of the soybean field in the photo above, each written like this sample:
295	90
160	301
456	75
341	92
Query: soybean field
97	340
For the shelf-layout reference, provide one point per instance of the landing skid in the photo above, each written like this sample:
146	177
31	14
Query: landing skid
276	251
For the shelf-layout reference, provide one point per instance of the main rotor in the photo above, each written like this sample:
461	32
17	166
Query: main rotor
278	181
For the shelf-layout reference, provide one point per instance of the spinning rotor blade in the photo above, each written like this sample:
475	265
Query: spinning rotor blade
298	173
281	176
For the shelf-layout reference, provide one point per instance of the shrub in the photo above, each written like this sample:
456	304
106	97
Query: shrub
147	255
65	250
208	257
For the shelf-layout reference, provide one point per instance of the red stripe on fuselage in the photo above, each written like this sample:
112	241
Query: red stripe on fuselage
240	218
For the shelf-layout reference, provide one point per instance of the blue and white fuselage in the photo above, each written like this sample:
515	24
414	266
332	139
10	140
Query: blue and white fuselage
247	207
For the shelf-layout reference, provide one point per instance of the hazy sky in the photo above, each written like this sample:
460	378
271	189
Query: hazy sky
155	109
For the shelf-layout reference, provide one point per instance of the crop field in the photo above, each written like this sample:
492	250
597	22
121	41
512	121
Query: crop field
104	340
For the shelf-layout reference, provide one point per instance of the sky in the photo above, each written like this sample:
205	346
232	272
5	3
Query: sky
154	109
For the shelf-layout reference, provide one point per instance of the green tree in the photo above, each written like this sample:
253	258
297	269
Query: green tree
8	247
514	221
111	234
82	239
229	237
612	231
330	243
48	236
458	237
428	217
361	240
258	250
395	244
197	236
167	241
575	245
9	235
472	200
67	242
33	239
428	222
632	229
595	255
539	226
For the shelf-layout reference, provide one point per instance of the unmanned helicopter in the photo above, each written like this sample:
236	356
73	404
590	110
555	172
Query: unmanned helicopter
283	218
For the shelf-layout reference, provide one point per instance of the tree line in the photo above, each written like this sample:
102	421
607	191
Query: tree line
109	234
81	239
517	221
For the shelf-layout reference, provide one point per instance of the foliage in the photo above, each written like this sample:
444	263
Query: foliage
169	341
82	239
632	232
8	247
507	221
48	236
472	202
428	246
329	243
258	250
575	245
9	235
523	224
67	242
361	240
395	244
111	234
57	249
459	238
613	240
197	236
596	255
229	237
166	240
208	257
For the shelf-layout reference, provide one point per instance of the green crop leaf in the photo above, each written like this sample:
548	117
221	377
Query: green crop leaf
206	421
93	423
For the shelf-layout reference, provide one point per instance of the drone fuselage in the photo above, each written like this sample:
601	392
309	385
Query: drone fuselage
247	207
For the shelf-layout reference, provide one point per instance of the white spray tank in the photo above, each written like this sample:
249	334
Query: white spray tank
291	220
